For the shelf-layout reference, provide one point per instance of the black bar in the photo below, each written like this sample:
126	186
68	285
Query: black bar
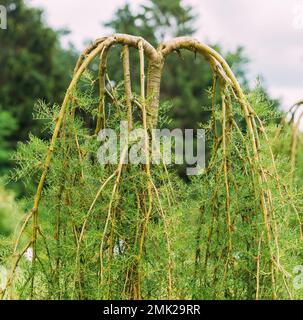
94	310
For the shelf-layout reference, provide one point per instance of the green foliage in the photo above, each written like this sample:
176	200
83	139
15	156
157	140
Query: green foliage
69	264
286	140
7	127
33	65
90	236
10	213
10	217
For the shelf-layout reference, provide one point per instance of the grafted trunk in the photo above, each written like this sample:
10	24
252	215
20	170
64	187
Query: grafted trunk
153	90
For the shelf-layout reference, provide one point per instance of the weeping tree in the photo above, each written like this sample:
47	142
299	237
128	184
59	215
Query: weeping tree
135	231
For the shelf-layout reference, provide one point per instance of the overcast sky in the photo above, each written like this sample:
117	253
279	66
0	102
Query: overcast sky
270	32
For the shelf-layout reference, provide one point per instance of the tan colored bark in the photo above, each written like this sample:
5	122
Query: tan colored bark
127	86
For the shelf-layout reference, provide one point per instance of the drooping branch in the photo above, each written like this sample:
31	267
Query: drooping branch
127	86
294	144
101	119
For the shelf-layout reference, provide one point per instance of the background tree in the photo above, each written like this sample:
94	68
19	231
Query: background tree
33	65
8	127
